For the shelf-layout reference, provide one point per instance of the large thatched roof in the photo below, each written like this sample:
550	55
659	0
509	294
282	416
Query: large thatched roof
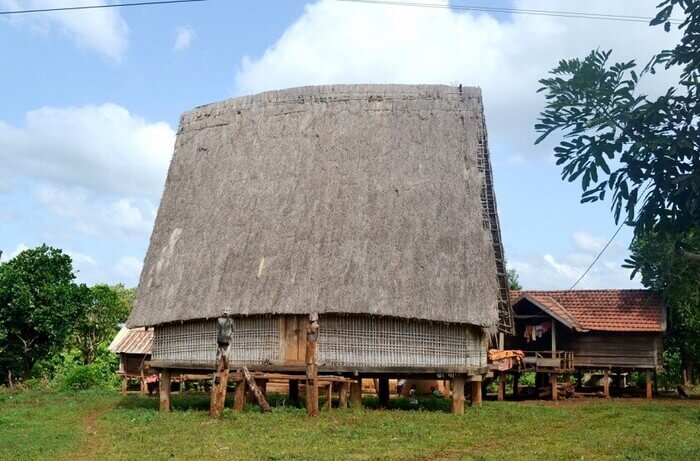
344	199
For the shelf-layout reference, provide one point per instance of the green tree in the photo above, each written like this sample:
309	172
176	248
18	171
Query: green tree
644	150
664	269
38	307
103	308
514	280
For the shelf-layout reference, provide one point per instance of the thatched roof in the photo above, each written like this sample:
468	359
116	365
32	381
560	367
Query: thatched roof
345	199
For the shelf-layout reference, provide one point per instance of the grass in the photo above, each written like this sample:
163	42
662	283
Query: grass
93	425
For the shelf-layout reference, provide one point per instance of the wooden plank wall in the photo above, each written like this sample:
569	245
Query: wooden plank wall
611	349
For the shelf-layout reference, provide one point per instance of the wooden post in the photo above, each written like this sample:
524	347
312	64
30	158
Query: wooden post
606	383
501	340
239	396
555	388
501	386
218	390
329	396
343	395
476	391
312	366
516	384
144	386
649	385
458	394
125	383
356	393
164	387
256	390
294	392
383	393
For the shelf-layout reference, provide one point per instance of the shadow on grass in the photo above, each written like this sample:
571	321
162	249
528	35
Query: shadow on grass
199	401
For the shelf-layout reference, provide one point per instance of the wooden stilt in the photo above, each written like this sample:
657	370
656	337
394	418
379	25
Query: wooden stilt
649	385
606	383
164	386
329	396
356	393
125	384
218	391
239	396
501	386
343	392
312	366
476	391
458	394
383	393
143	385
554	383
294	392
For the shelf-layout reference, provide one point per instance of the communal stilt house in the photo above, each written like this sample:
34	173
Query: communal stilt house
332	232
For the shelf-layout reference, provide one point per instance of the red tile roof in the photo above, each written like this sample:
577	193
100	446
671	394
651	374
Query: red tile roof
132	341
602	310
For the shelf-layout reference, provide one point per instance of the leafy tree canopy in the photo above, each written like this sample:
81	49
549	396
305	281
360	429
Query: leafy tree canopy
38	306
645	151
103	308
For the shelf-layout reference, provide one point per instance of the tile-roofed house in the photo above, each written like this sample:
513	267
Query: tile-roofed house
134	348
603	329
602	310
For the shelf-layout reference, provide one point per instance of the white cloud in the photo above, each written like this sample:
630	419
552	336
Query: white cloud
103	148
102	29
184	38
95	215
548	271
128	270
336	42
20	248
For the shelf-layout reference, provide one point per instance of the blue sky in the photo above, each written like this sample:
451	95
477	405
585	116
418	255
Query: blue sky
91	102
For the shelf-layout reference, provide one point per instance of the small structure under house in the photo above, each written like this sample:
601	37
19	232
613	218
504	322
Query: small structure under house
566	332
320	235
133	345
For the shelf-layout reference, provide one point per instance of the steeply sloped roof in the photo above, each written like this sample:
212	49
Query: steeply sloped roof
349	199
132	341
601	310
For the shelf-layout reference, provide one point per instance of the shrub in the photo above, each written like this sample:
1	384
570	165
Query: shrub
81	377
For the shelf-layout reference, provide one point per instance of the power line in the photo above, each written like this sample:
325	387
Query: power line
565	14
95	7
597	257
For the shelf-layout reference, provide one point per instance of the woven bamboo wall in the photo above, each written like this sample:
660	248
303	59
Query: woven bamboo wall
345	340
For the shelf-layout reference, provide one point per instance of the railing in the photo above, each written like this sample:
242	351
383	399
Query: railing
549	360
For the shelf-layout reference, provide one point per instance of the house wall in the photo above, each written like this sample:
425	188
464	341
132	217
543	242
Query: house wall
344	341
130	364
597	349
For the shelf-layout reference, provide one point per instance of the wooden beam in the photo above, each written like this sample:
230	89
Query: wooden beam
312	366
164	386
554	336
458	394
356	393
554	384
501	386
383	393
256	391
239	396
343	392
649	385
476	393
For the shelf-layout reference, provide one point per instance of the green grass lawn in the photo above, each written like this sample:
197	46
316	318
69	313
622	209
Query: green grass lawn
98	425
